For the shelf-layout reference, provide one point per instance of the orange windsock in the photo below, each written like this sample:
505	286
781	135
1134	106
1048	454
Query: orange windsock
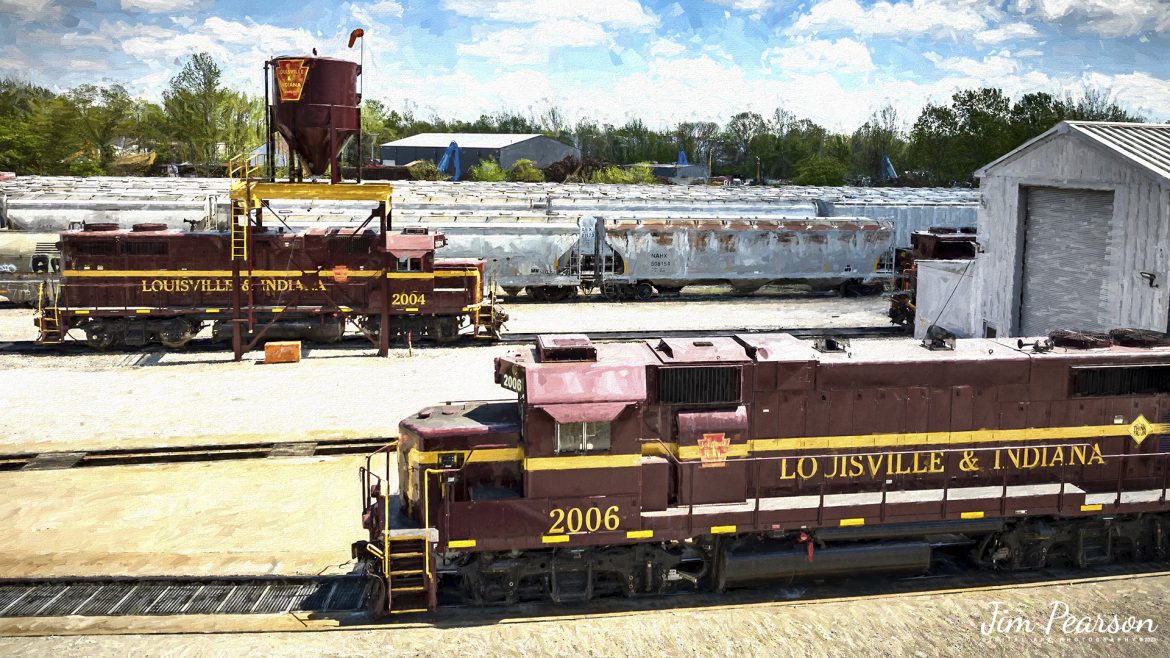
355	35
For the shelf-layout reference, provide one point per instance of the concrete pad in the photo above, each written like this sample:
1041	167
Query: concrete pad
288	516
89	401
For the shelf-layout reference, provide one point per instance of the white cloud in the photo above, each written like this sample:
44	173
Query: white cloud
1140	92
159	6
990	68
666	48
385	8
940	18
533	44
1003	33
754	7
819	55
627	14
1108	18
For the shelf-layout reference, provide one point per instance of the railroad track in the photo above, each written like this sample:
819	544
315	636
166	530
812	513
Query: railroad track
104	597
883	331
181	596
151	356
38	461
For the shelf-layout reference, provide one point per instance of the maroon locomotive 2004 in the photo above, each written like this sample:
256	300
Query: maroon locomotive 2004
153	285
636	468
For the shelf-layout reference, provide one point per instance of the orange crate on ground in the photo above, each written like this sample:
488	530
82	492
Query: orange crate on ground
285	351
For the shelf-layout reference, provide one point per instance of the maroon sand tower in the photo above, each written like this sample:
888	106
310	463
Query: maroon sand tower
315	109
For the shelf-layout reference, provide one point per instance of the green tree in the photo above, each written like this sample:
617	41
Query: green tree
525	171
192	104
101	115
488	171
821	170
879	137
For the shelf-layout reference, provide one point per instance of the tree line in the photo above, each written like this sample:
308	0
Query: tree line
200	123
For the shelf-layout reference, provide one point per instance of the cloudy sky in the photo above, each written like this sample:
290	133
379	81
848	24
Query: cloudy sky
833	61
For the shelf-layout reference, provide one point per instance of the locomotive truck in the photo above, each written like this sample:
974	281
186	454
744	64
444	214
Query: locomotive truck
710	463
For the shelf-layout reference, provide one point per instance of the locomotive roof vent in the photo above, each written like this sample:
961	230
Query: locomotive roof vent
938	338
99	226
1080	340
565	347
1139	337
828	344
148	226
416	230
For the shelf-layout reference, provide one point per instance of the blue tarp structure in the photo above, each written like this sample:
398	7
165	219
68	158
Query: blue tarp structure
450	156
682	157
888	172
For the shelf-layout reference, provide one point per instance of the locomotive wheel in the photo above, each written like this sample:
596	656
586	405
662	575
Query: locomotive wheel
176	333
100	336
643	291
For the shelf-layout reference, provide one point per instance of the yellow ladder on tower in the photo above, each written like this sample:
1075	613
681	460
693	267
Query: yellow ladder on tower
241	170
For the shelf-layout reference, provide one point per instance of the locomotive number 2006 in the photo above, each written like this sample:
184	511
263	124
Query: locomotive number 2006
408	299
575	519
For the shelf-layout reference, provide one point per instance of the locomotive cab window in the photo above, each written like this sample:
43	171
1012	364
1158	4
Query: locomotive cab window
410	264
582	437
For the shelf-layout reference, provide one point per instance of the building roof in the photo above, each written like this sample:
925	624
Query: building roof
464	140
1145	145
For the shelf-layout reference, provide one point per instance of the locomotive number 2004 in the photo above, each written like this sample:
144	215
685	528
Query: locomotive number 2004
575	519
408	299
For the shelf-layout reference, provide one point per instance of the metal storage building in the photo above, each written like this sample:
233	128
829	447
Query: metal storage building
1075	226
474	147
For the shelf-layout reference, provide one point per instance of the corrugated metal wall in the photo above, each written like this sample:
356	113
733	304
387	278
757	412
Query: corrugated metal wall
1138	239
1066	240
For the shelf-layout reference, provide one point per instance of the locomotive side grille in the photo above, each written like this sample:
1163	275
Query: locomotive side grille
1125	380
153	248
96	248
46	248
699	385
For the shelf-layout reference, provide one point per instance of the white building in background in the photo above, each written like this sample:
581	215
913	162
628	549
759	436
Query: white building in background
1074	230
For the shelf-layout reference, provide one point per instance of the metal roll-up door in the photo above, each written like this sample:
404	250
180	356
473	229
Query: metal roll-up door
1066	235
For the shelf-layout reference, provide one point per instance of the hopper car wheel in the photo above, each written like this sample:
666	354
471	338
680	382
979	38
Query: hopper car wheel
643	291
100	335
852	288
610	291
176	333
536	293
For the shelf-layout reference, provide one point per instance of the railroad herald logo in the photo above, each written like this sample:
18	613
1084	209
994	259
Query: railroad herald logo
290	78
713	449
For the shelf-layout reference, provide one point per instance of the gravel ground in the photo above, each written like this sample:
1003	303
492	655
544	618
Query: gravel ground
943	624
295	515
135	399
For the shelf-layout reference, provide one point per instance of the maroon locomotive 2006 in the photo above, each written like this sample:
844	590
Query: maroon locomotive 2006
632	468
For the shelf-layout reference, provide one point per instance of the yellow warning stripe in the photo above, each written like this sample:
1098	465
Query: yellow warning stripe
461	543
808	443
581	461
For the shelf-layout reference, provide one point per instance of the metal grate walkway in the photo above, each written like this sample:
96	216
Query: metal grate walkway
180	596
